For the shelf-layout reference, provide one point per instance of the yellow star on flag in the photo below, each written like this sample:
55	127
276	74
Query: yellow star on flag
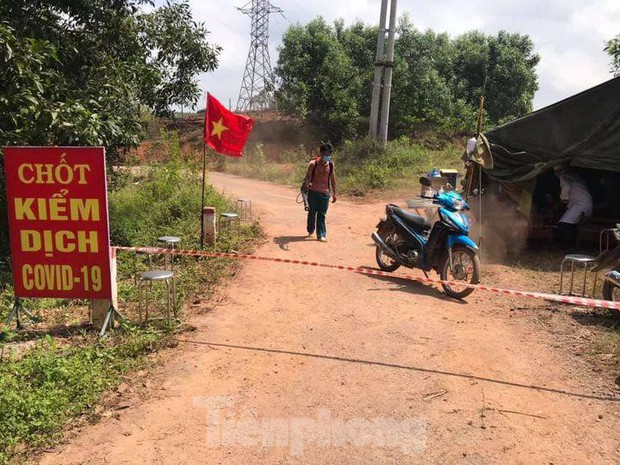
218	128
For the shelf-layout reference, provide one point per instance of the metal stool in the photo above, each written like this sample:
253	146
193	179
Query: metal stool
147	278
578	259
135	259
226	219
170	242
244	208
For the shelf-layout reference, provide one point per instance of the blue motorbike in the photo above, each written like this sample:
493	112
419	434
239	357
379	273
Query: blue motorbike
409	240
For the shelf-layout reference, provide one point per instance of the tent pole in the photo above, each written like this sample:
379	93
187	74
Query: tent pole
479	206
480	113
478	132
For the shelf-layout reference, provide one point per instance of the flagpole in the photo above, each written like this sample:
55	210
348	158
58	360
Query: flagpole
236	129
202	207
204	175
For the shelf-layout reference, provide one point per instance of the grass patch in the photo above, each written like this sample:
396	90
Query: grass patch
51	383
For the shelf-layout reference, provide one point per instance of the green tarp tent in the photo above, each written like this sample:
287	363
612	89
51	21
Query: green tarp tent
583	130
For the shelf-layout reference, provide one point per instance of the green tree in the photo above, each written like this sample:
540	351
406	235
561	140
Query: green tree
360	42
506	64
424	95
49	98
80	72
326	76
26	71
613	48
318	80
179	52
103	61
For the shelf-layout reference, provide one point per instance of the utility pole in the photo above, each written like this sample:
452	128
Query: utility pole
387	79
376	88
382	86
257	87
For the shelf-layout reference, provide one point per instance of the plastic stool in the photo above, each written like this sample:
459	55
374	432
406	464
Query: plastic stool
578	259
228	218
148	277
244	208
170	242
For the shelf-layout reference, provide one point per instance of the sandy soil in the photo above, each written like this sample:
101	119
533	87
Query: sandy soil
294	364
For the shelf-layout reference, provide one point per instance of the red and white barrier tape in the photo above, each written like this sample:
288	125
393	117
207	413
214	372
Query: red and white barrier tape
581	301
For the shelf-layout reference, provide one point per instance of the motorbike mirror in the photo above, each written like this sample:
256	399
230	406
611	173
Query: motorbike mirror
425	181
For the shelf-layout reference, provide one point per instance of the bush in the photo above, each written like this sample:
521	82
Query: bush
161	199
361	165
364	166
166	201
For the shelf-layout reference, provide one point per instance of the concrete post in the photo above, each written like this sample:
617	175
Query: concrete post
379	60
208	225
387	80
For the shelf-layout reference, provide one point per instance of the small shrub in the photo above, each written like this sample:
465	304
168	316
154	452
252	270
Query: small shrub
361	165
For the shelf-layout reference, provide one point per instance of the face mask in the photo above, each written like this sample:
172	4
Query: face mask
327	158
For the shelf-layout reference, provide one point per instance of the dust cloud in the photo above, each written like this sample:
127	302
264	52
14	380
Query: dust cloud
504	230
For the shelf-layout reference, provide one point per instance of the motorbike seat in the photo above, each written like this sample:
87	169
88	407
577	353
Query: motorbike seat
415	221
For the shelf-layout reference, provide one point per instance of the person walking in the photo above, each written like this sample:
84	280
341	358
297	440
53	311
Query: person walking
321	182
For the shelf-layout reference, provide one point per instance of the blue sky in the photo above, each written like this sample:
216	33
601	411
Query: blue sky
569	35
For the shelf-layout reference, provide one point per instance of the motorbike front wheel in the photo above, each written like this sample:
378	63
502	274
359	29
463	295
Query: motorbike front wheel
611	291
465	267
386	263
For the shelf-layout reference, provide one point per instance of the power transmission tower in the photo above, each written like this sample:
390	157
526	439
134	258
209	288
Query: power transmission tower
257	88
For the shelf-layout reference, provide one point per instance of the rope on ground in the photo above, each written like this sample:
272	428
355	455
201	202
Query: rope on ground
572	300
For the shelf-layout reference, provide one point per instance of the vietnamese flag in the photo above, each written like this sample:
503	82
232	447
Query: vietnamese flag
225	131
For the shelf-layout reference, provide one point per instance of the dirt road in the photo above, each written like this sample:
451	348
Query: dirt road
306	365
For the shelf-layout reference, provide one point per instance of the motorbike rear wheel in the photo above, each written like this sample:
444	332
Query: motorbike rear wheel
465	268
611	291
386	263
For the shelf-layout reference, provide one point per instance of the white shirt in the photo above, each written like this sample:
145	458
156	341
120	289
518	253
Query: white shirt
574	191
471	146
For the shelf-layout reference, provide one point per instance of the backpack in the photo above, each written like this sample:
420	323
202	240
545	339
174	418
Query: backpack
329	176
305	187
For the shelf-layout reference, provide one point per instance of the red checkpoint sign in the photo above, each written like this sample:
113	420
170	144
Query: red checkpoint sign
58	221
